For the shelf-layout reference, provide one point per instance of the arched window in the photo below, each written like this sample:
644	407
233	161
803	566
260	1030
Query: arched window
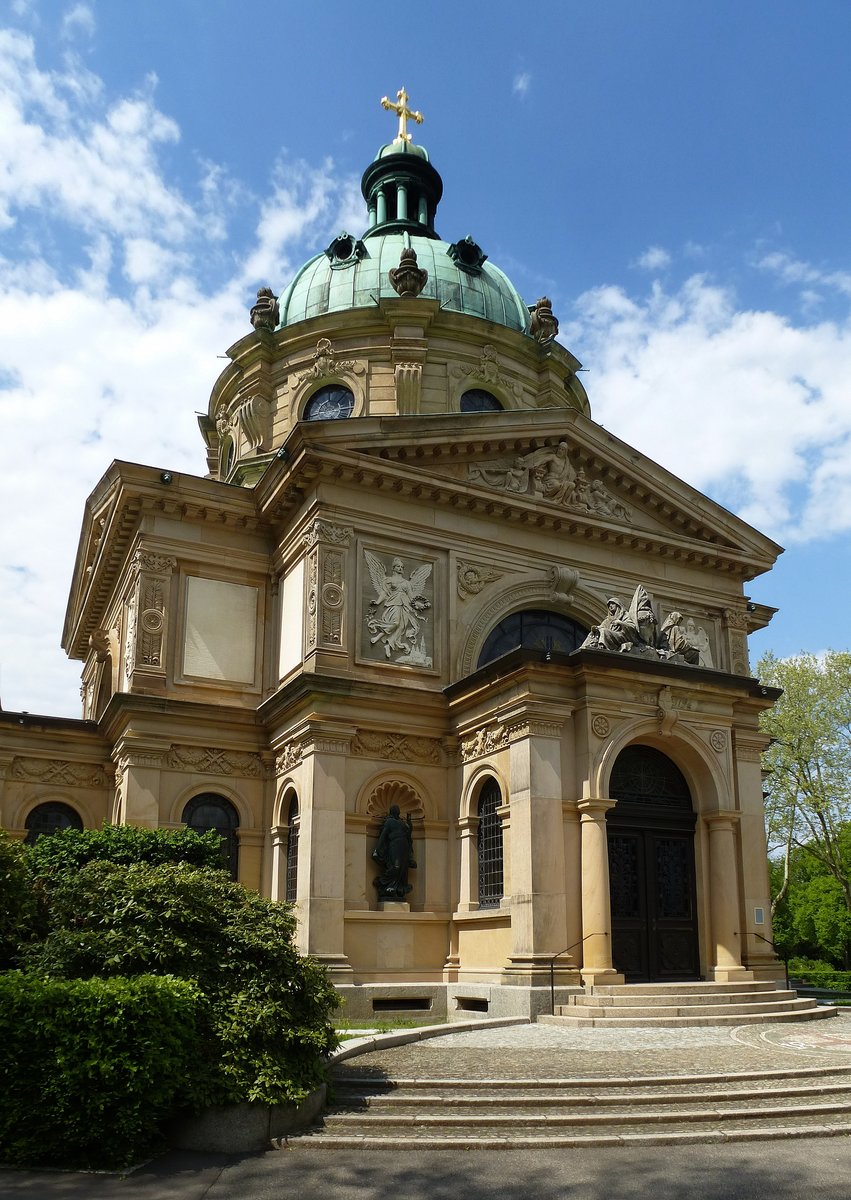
489	842
47	818
478	400
532	629
645	776
331	403
291	881
210	811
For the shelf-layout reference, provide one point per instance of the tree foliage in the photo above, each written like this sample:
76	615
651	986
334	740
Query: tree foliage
18	906
808	794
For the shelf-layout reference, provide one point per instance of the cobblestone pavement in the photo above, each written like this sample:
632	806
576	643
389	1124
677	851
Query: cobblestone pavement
550	1052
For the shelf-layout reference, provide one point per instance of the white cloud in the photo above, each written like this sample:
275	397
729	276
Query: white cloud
654	258
78	20
522	83
793	270
745	405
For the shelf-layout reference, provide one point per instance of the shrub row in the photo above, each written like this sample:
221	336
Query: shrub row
89	1066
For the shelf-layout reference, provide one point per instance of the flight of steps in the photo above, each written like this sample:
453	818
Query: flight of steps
523	1113
684	1005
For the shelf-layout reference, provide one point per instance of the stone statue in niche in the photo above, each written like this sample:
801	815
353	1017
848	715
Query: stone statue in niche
398	611
548	474
394	853
265	313
636	630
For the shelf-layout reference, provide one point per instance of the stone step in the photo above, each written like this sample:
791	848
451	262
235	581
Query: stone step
688	987
607	1020
548	1098
625	997
759	1131
779	1076
765	1004
692	1117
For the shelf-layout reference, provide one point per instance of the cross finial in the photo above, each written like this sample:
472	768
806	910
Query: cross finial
403	112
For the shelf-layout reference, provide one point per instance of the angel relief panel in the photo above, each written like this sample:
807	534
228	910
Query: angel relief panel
397	597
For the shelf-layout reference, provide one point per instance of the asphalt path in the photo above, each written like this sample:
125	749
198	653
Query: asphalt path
796	1169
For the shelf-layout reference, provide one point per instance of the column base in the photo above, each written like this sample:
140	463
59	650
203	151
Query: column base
338	967
604	976
534	971
730	974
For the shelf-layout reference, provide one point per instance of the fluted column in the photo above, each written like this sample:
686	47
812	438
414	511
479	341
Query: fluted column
596	901
724	898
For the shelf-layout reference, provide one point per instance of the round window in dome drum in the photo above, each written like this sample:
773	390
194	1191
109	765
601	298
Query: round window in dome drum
478	400
332	403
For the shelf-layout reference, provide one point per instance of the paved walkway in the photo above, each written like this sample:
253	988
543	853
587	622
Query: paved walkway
550	1052
818	1169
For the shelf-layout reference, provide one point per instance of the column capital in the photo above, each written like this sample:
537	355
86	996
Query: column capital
594	808
722	820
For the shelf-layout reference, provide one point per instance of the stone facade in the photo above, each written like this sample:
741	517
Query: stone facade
308	646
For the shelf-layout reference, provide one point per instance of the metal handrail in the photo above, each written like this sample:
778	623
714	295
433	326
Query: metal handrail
553	966
784	958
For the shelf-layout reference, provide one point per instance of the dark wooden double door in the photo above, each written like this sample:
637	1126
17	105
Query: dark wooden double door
651	870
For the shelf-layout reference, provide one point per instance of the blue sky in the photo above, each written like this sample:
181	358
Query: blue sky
674	176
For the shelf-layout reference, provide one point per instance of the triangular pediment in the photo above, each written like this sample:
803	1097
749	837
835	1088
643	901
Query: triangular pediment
569	472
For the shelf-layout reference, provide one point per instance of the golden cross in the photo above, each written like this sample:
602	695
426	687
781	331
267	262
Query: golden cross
403	112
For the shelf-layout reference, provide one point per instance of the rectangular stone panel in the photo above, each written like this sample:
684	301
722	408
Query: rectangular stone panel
292	620
221	630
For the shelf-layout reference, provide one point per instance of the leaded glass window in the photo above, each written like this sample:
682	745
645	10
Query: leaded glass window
533	629
644	775
331	403
291	883
478	400
489	843
210	811
50	817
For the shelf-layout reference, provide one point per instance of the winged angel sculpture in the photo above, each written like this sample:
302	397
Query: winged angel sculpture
398	612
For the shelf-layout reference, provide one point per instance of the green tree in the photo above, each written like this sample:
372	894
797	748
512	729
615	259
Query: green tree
18	907
808	783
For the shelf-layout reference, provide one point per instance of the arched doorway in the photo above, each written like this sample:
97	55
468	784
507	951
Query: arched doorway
651	868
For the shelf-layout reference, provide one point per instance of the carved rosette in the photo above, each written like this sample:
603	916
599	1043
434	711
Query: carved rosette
147	612
398	747
326	584
601	726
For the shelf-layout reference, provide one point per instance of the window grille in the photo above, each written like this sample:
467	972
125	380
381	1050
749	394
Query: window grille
490	847
291	883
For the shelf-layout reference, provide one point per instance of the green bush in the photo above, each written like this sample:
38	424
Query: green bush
68	850
90	1066
819	974
18	908
269	1016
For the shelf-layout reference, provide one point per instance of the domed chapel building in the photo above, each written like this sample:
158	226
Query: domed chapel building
422	609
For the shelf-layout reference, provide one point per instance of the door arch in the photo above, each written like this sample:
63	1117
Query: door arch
651	868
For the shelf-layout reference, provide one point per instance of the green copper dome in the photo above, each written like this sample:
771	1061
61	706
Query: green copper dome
327	284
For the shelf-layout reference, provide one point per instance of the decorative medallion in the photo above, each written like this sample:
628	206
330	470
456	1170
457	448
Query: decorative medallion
472	578
601	726
718	740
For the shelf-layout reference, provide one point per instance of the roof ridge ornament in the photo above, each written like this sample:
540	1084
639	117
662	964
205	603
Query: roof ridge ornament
403	112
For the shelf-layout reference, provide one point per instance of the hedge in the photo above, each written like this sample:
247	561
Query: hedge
67	850
89	1066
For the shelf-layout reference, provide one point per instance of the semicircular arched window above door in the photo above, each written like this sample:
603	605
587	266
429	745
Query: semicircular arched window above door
644	775
532	629
211	811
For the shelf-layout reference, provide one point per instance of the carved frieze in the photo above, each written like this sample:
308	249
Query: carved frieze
548	474
327	363
325	531
399	747
472	578
58	771
489	370
486	740
288	757
398	598
208	760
